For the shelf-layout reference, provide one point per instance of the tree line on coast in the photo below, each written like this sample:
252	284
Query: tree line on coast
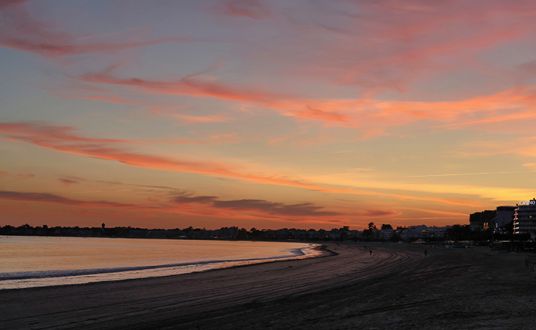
385	233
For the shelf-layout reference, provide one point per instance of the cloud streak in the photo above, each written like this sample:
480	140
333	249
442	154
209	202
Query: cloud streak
246	209
21	31
63	139
196	87
371	116
264	206
252	9
383	46
53	198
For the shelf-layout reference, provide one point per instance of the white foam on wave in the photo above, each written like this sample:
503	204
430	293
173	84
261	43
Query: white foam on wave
21	280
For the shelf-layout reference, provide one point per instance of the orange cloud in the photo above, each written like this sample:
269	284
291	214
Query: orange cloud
63	139
373	115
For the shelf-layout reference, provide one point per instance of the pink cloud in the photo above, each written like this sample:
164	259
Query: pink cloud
40	133
253	9
195	87
7	3
191	86
381	46
201	119
372	116
189	118
21	31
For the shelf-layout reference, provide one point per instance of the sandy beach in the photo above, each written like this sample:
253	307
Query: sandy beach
396	287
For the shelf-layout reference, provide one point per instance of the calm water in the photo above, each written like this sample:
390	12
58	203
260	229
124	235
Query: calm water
43	261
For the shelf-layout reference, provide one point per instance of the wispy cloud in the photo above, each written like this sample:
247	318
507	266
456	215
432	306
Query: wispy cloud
68	180
189	118
20	30
196	87
40	133
53	198
253	9
371	116
63	139
301	209
383	46
436	175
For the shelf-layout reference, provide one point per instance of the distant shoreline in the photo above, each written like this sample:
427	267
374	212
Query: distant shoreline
173	238
387	233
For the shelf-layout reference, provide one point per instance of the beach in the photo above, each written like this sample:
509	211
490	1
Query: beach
397	287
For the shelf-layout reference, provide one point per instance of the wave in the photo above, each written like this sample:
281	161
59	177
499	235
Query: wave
79	272
18	280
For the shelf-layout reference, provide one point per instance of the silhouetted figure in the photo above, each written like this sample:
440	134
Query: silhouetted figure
425	252
370	251
103	226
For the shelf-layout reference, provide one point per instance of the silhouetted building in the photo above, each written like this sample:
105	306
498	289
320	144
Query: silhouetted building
504	215
479	221
421	232
525	218
387	232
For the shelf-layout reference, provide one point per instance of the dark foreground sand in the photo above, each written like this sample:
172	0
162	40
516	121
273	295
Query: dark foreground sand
395	288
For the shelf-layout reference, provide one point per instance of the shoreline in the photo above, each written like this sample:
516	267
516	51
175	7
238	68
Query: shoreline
396	287
79	304
88	276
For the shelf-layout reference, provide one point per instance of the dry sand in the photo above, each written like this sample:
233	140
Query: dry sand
397	287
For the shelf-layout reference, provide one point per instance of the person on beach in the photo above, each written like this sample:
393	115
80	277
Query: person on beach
370	251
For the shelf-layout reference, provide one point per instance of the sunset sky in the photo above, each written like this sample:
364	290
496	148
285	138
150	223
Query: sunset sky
266	114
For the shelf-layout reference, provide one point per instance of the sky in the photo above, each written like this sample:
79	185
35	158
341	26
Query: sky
265	113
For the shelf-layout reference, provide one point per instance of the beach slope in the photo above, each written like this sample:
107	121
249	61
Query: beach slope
396	287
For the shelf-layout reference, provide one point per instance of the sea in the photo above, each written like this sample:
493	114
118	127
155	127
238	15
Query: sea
35	261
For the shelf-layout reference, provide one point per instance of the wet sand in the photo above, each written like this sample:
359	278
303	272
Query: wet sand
397	287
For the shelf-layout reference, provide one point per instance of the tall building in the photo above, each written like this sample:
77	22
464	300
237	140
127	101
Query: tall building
504	215
525	218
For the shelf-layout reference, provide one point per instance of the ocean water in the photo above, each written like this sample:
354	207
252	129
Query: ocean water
30	261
